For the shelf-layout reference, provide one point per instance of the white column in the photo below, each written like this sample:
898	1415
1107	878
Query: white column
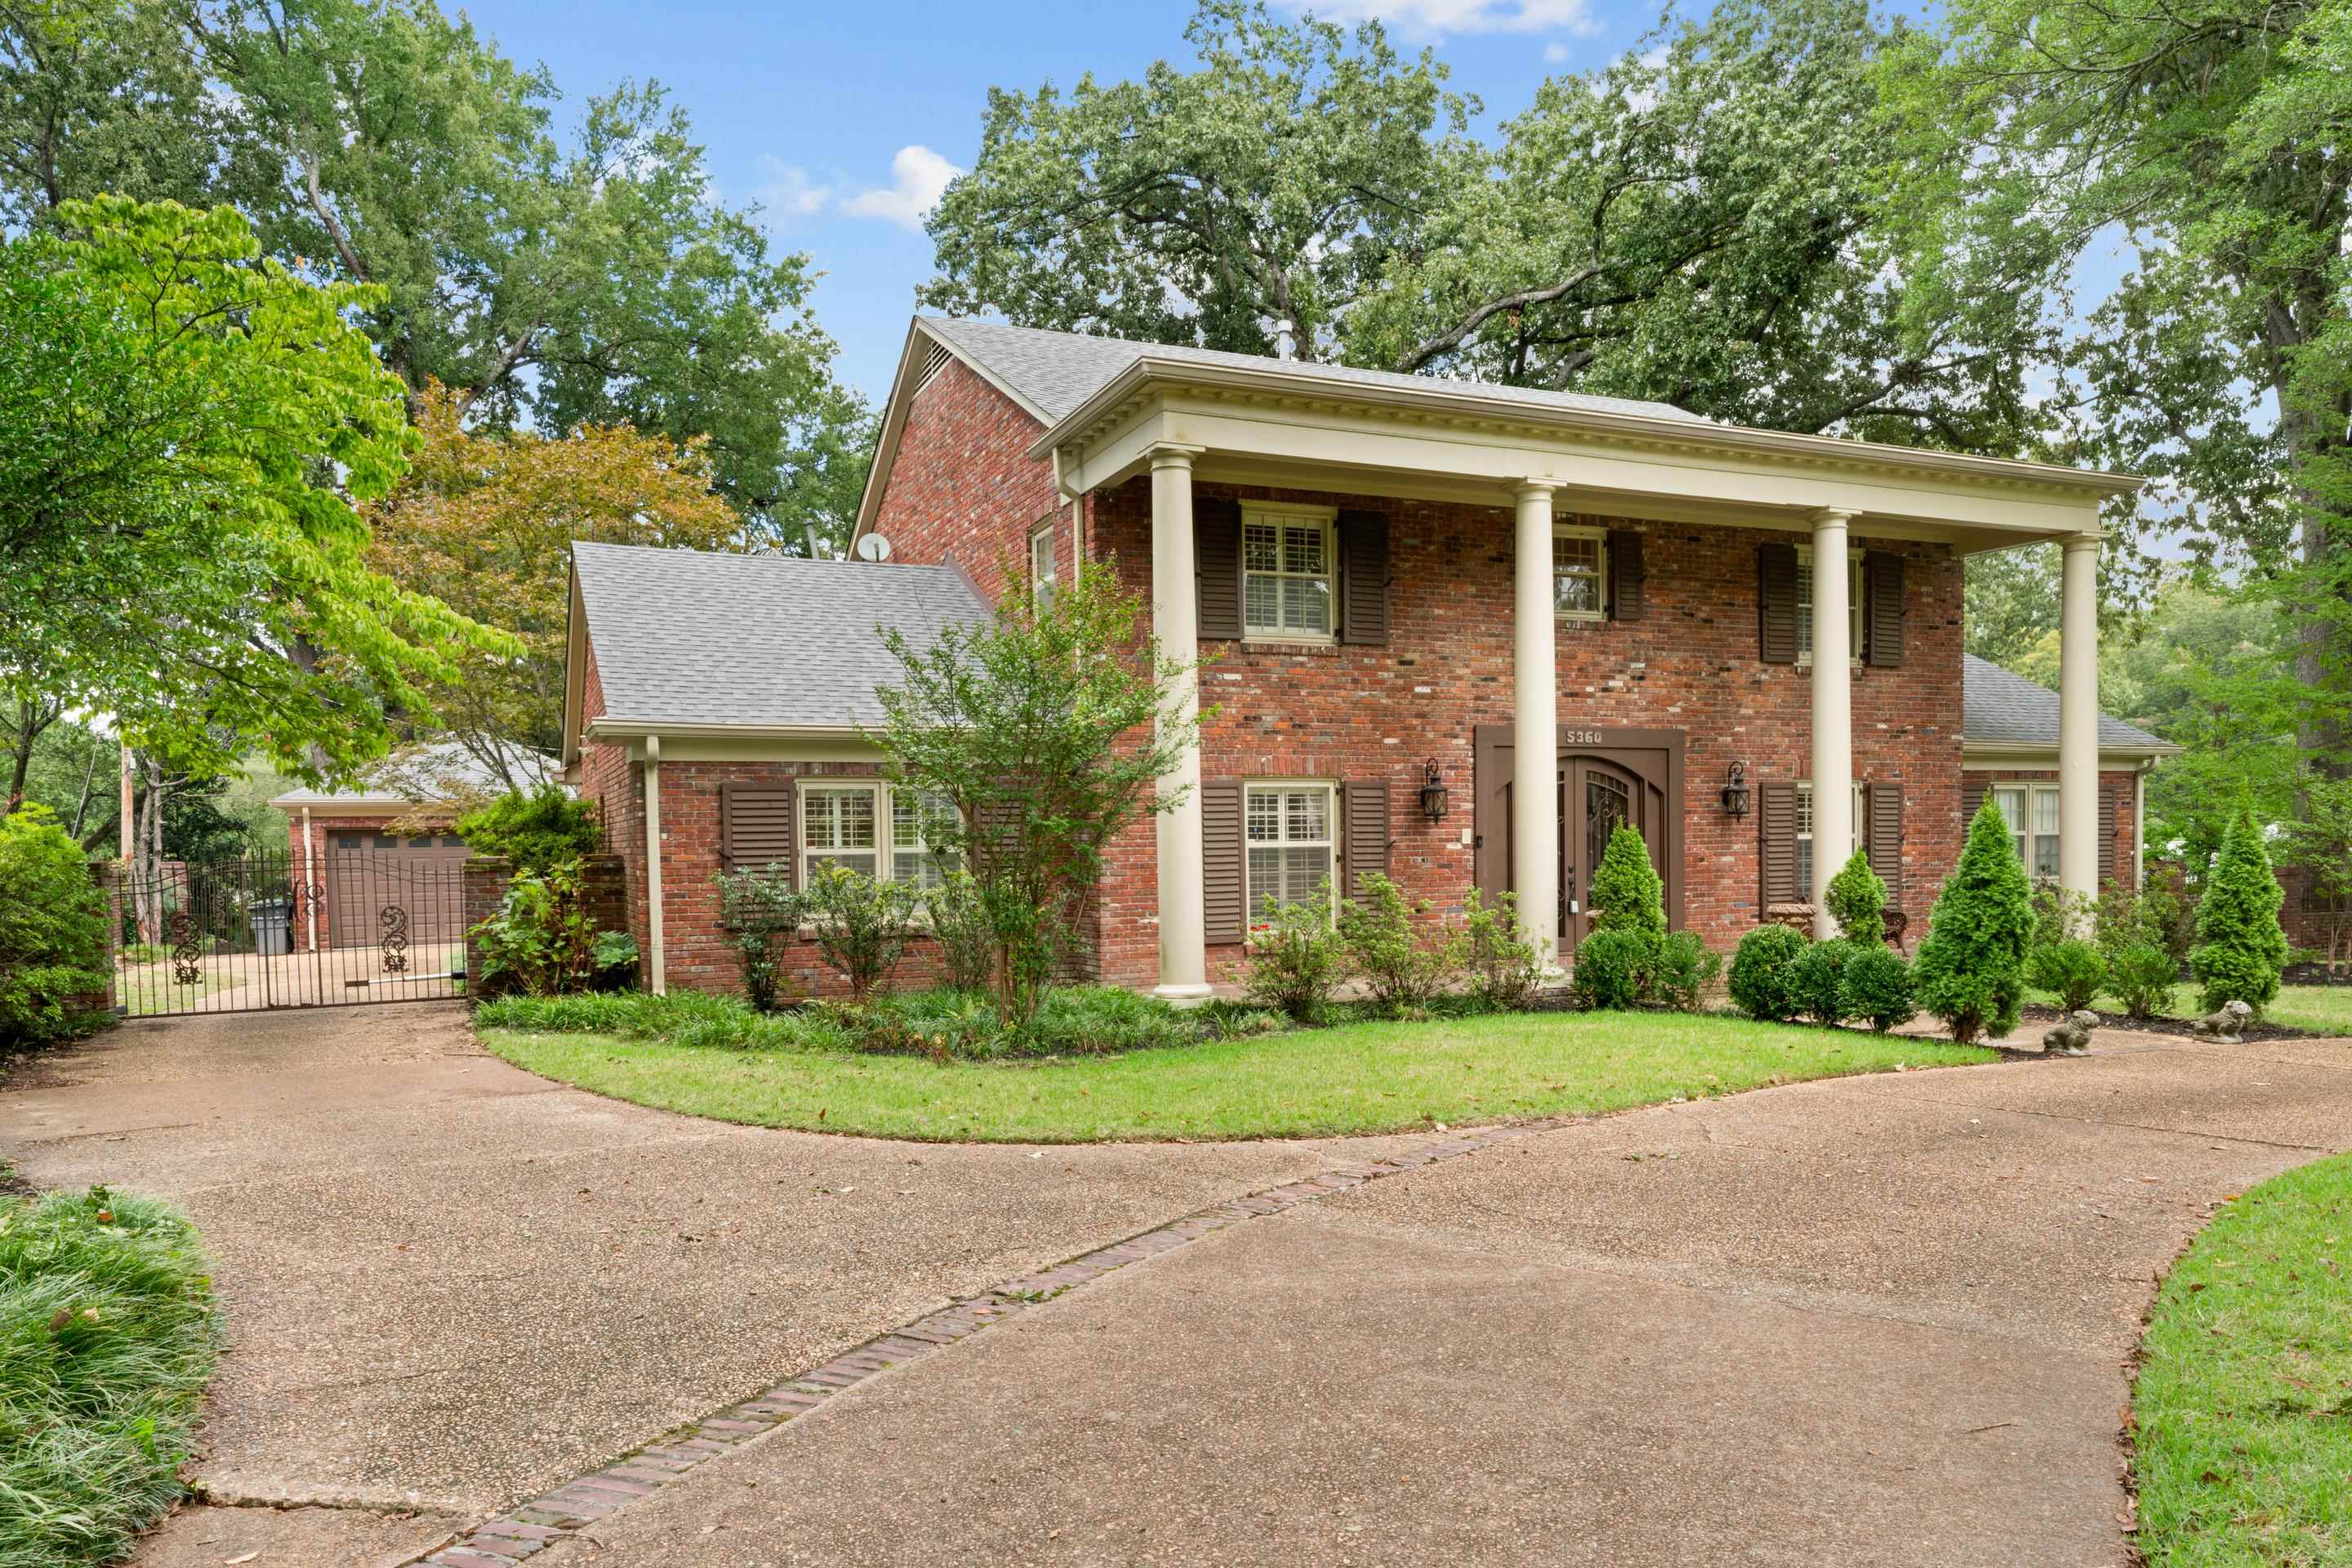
2078	718
1176	620
1833	712
656	980
1535	724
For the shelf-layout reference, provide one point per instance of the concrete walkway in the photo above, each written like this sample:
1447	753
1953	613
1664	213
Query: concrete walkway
450	1284
1878	1321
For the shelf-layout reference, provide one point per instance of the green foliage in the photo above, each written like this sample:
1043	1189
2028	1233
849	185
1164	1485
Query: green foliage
2073	968
1686	967
861	923
2142	976
692	1018
1970	970
543	942
1612	968
535	828
1627	894
1816	982
1878	987
1505	970
188	427
1857	901
2153	916
1044	730
1297	959
1402	966
2240	948
1763	975
957	917
760	911
106	1309
53	945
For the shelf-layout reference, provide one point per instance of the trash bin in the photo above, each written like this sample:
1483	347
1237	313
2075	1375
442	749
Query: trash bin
273	926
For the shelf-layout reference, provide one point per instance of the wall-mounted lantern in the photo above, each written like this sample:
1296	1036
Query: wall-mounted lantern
1735	790
1432	791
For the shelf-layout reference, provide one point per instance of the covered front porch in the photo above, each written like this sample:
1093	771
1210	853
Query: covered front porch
1186	424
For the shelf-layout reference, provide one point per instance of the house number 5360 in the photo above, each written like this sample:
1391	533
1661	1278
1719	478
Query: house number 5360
1581	737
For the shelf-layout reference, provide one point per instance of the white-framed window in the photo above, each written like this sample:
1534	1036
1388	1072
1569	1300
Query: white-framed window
2031	812
1805	603
840	823
1579	572
916	823
1292	846
1805	835
1040	562
1289	560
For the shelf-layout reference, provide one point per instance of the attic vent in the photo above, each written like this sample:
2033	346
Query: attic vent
938	357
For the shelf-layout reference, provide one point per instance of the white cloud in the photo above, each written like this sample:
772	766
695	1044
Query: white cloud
1437	17
918	177
1555	54
788	191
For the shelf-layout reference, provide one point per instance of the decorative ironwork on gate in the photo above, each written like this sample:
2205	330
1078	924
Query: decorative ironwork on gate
337	928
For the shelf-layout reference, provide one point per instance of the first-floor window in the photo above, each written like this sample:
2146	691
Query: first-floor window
917	824
1805	835
1290	844
2031	812
838	826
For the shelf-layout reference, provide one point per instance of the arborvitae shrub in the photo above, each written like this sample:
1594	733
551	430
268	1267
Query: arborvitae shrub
2240	948
1857	901
1971	971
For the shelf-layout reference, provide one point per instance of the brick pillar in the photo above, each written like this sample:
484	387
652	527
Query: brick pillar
485	880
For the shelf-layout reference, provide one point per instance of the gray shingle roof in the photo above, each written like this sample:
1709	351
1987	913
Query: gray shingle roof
1058	370
2001	708
683	636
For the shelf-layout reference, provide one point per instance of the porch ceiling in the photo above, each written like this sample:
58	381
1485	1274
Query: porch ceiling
1449	447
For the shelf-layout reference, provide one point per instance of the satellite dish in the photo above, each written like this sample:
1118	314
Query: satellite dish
873	547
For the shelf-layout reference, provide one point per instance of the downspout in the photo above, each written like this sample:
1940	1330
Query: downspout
2139	823
654	979
309	899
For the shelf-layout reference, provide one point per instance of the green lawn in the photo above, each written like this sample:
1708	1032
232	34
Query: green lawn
1359	1077
2243	1440
105	1340
2324	1009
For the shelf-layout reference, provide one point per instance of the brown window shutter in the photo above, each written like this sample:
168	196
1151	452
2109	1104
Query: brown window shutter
1882	805
1366	803
2107	837
1973	789
1363	577
1628	585
1217	557
1882	621
1224	857
1776	603
758	826
1776	843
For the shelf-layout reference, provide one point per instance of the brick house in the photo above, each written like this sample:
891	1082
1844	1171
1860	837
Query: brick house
1399	588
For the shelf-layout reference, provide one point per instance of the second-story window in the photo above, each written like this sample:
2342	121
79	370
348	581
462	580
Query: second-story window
1805	604
1040	562
1286	562
1580	573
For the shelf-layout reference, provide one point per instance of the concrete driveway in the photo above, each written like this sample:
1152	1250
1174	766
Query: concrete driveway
450	1284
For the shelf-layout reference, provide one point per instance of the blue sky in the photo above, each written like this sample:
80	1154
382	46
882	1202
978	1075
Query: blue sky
842	119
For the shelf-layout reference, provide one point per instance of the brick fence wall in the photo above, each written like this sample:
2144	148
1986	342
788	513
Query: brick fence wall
487	877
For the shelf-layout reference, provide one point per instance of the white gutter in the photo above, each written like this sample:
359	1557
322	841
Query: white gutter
656	980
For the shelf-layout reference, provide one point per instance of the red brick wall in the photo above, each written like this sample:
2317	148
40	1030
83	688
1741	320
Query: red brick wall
1691	665
617	787
960	484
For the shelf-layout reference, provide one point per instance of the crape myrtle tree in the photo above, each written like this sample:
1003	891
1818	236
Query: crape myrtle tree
1041	731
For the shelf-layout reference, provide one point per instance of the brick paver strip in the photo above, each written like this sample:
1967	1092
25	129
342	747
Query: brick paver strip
580	1502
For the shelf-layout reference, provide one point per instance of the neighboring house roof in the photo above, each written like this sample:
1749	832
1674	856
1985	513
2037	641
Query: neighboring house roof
686	638
443	764
1052	372
2001	708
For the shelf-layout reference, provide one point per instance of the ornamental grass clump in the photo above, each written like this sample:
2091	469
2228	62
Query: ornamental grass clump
2240	949
1971	968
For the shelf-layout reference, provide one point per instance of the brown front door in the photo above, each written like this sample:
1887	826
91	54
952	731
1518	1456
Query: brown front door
1596	796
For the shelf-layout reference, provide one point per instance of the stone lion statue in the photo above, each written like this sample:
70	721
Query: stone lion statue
2071	1037
2227	1024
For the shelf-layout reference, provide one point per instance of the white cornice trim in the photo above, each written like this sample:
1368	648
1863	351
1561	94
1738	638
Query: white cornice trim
1982	755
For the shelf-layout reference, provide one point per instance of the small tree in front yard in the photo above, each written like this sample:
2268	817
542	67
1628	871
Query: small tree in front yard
1971	971
1857	899
760	911
1392	944
2240	948
1045	728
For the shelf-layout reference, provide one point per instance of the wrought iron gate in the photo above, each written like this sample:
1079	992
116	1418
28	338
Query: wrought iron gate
240	936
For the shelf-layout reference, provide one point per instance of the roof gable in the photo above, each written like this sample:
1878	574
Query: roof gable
695	638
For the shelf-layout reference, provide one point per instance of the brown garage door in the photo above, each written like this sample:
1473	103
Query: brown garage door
367	874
